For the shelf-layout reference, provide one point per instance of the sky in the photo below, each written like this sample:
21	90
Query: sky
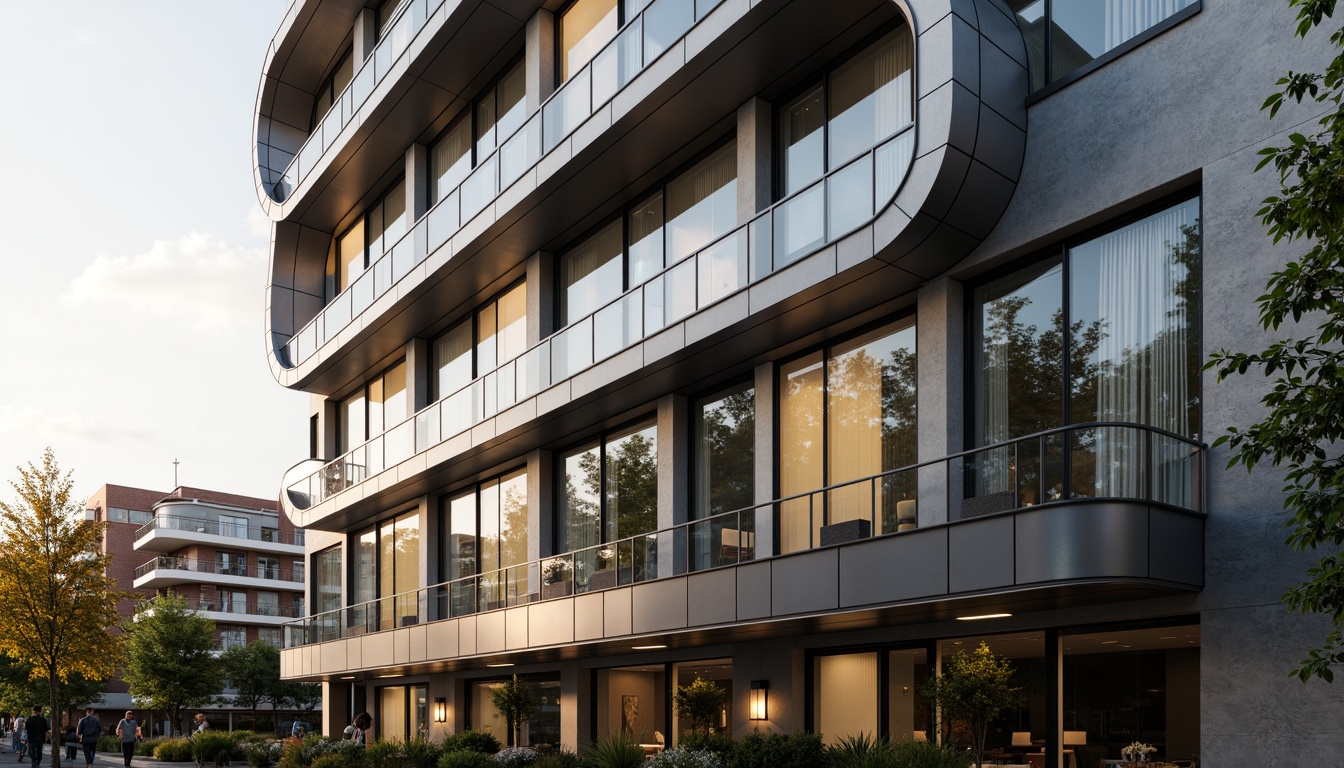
134	249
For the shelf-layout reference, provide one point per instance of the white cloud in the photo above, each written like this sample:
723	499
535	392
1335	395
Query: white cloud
258	223
50	427
197	279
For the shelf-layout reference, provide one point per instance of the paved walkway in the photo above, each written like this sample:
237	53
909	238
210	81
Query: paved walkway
101	760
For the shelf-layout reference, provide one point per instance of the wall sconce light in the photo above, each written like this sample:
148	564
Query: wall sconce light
758	710
440	710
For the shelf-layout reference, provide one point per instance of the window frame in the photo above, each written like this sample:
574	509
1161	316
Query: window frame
621	20
363	391
697	404
472	320
445	520
328	84
599	441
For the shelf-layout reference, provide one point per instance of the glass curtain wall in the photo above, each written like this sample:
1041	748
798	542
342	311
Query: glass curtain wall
494	335
585	27
402	713
450	160
326	589
609	491
387	569
845	413
717	671
848	691
379	405
485	532
690	212
1106	331
373	233
1083	30
541	730
332	86
724	453
501	110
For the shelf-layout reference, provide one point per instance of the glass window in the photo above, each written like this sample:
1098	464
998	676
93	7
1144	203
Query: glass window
387	13
140	517
231	563
268	567
268	603
387	565
452	360
831	405
332	86
485	532
610	490
542	728
270	636
702	203
1083	30
864	100
1123	686
717	671
844	697
381	404
499	335
632	702
1025	653
230	525
725	453
1123	309
327	580
501	110
585	27
591	274
450	160
372	234
350	260
231	636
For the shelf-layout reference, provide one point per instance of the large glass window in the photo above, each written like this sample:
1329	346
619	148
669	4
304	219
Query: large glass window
388	567
327	580
1083	30
403	713
845	413
1106	331
494	335
724	447
501	110
854	107
371	410
585	26
716	671
609	491
332	86
372	234
691	211
485	531
541	729
449	160
632	702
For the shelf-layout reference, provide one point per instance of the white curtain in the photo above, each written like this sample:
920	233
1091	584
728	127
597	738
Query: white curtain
1127	18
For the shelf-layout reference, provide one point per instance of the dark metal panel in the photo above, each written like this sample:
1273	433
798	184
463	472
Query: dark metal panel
1175	546
905	567
711	597
980	554
658	605
805	582
753	591
1083	540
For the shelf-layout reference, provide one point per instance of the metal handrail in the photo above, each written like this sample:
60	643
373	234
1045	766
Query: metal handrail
216	528
692	545
194	565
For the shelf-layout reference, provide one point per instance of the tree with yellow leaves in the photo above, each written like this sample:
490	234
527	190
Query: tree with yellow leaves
57	603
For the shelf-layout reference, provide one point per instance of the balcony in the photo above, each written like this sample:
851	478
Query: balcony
1071	516
782	235
225	611
168	533
169	571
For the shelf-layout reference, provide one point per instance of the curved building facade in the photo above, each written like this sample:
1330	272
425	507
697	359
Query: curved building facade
791	345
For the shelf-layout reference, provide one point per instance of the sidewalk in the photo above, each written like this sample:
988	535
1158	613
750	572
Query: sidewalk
100	760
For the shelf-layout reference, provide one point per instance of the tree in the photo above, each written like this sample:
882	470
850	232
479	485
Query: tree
975	687
170	661
700	701
19	689
58	605
301	697
515	701
254	670
1304	418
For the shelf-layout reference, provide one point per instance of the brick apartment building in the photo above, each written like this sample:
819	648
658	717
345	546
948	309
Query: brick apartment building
237	559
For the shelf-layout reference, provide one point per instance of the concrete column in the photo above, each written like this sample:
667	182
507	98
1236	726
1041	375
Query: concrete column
417	374
540	59
765	458
540	505
575	714
673	473
417	181
335	706
325	409
940	400
366	36
754	160
540	296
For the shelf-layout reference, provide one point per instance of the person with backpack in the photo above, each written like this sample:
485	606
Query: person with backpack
37	727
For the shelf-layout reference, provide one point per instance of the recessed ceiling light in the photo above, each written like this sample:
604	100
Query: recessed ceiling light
1109	642
348	677
501	664
984	616
389	676
647	647
1168	637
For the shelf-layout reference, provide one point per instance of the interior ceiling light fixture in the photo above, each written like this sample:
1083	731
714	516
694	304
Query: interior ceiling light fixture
984	616
647	647
501	664
348	677
389	676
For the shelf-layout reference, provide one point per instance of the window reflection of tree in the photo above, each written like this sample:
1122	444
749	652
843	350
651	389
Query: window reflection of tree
606	501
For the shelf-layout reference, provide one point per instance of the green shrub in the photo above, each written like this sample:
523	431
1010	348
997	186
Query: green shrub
559	759
109	743
472	741
261	753
422	754
213	748
303	754
465	758
145	747
801	750
720	744
682	757
384	753
615	751
335	760
172	750
924	754
861	751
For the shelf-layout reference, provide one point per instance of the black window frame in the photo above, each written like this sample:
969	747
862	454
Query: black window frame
598	440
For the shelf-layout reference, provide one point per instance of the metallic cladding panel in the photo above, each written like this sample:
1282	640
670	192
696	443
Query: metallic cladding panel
658	605
980	555
491	632
1082	541
805	583
711	597
1175	547
552	622
893	568
753	590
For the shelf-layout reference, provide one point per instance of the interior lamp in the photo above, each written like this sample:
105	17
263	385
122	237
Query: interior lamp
1075	738
440	710
1021	738
757	708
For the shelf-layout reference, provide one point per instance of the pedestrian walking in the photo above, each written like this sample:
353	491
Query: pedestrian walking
38	728
87	730
20	738
71	742
201	725
129	732
362	724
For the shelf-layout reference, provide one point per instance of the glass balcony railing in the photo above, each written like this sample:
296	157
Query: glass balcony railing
240	608
775	238
1111	461
638	44
216	528
216	568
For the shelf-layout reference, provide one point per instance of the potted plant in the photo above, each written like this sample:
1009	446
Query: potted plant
515	702
975	688
557	579
700	701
